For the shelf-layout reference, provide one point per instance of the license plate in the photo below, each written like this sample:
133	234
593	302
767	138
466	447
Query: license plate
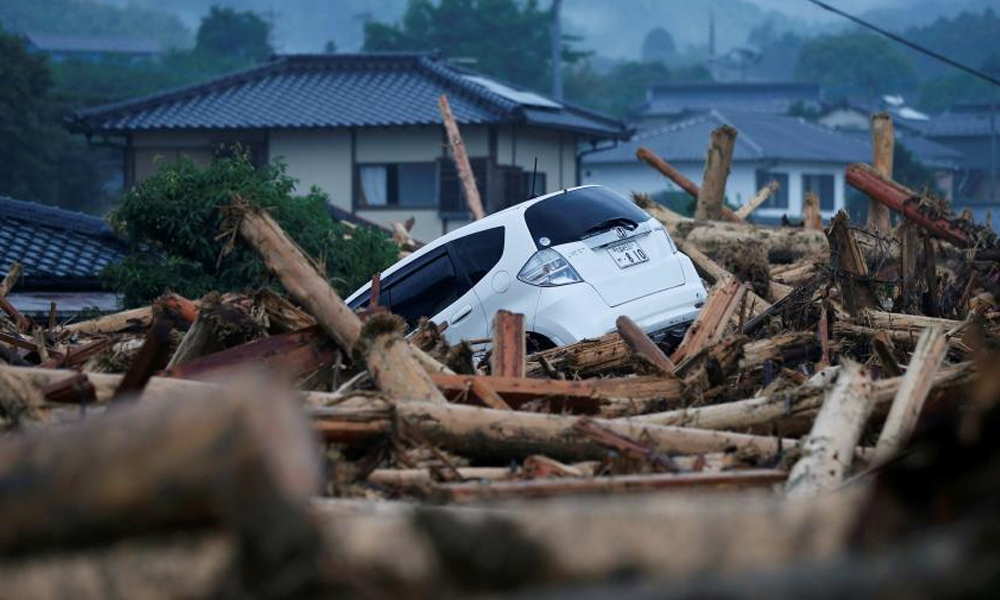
627	254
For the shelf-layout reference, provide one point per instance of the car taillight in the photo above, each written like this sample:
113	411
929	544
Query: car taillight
547	268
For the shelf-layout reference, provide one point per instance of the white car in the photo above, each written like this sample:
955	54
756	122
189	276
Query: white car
571	262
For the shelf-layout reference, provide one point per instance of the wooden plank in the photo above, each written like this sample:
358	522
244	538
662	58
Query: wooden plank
710	324
461	158
509	353
644	347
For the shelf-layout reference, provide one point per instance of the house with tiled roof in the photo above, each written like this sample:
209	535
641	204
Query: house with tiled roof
366	129
62	254
801	156
93	48
969	129
671	102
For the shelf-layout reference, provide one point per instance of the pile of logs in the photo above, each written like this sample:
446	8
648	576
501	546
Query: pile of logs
831	434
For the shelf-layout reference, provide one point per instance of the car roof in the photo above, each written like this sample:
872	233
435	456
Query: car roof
488	222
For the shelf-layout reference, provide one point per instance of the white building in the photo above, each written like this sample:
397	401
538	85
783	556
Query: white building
366	129
801	156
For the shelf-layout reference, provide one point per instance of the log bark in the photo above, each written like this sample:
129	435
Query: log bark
584	359
504	435
239	459
849	266
762	195
879	319
10	280
711	323
637	341
905	201
783	244
130	321
812	218
712	195
883	147
461	159
298	274
549	488
152	357
828	450
391	362
912	393
667	170
508	356
482	390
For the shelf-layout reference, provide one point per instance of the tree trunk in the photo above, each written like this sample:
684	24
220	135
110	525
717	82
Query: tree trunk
461	158
712	196
641	345
883	147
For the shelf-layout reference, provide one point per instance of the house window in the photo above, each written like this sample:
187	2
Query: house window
779	199
402	184
453	204
822	186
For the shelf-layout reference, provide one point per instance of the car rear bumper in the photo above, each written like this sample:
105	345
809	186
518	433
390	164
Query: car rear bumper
571	313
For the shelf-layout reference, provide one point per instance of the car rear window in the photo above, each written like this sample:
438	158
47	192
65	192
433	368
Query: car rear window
568	216
477	253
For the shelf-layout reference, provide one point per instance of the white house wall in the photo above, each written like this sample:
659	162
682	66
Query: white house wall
740	187
320	158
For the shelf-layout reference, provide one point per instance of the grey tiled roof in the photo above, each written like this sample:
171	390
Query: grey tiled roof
339	90
962	121
54	245
761	137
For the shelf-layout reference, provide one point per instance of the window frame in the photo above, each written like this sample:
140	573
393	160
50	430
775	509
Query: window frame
833	189
783	178
392	187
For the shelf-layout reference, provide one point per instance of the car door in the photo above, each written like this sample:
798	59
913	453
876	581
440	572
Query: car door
435	290
475	256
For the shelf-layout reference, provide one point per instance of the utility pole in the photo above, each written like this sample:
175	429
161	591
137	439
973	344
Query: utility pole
993	146
711	33
557	87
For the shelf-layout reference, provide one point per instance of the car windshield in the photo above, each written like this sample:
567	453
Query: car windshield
577	214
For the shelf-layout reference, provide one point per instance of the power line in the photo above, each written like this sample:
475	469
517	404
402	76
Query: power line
908	43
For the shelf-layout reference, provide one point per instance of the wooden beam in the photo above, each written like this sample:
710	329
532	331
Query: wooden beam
667	170
913	391
712	196
812	218
461	159
762	195
883	146
644	347
828	450
509	354
710	324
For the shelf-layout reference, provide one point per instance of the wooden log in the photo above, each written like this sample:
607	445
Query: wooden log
710	324
585	396
641	345
10	280
883	148
585	358
81	354
509	354
298	274
904	201
849	266
828	450
219	325
282	315
391	361
883	320
713	272
882	345
548	488
712	195
931	305
780	348
411	549
667	170
913	391
136	319
408	478
152	357
241	459
762	195
504	435
293	355
783	244
812	218
482	390
908	243
22	322
461	158
20	402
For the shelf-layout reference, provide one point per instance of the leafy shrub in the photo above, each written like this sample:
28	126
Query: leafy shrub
173	221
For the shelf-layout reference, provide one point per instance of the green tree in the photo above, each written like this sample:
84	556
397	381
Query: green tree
241	35
658	45
506	38
855	63
41	162
173	218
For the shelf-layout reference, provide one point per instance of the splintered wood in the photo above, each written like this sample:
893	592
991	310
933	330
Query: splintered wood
281	445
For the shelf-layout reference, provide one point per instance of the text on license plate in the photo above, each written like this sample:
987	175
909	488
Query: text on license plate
627	254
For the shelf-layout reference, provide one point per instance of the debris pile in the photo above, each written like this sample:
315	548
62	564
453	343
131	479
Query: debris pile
824	424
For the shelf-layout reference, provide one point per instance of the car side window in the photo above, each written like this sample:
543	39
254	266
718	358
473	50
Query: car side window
426	291
477	253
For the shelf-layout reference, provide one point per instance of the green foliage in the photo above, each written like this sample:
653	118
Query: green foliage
623	88
507	39
41	162
658	45
87	17
967	37
173	218
229	33
855	63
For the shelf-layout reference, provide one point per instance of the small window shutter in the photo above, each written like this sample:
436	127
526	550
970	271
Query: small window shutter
453	204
